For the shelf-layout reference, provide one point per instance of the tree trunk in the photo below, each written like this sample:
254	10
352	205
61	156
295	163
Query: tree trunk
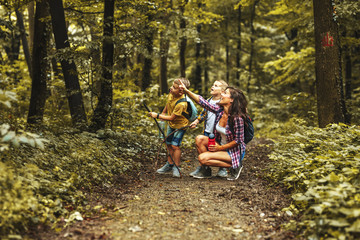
31	23
146	76
20	23
227	51
104	105
164	49
72	85
252	41
39	65
238	52
183	41
198	70
348	76
327	64
206	70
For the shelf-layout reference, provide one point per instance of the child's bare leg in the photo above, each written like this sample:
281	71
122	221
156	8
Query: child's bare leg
171	153
176	154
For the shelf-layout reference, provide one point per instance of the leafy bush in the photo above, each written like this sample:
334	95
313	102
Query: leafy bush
321	167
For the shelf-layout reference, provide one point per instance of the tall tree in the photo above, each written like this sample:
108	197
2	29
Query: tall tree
39	64
183	40
198	64
252	42
327	63
104	105
20	23
164	50
70	73
238	47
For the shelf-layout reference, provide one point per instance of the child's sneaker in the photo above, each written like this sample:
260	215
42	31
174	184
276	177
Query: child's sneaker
205	172
235	173
197	170
166	168
222	172
176	172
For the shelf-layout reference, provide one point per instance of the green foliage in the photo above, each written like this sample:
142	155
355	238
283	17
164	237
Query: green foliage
274	116
321	167
293	67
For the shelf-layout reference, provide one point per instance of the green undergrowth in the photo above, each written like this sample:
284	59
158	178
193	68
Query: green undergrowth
321	168
38	186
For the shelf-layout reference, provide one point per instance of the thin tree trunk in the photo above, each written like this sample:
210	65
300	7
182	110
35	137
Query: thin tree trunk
252	41
198	70
31	23
238	52
104	106
164	49
72	85
183	41
206	70
227	51
39	65
146	77
20	23
327	64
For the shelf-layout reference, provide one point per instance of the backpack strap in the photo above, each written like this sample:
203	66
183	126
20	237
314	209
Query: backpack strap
180	101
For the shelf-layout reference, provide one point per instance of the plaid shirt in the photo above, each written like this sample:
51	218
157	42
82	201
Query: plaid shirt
238	135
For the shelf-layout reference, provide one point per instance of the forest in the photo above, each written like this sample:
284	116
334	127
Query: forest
74	77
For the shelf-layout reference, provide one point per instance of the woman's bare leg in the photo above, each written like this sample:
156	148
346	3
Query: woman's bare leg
201	143
216	159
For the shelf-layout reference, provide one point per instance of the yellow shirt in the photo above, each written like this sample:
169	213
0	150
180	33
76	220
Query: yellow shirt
180	121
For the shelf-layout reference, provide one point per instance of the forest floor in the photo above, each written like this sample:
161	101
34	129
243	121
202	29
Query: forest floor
153	206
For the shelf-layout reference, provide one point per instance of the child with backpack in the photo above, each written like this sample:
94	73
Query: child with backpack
176	112
208	118
231	117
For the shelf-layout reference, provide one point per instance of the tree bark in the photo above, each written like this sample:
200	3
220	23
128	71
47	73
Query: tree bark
327	64
104	105
72	85
206	70
39	65
183	41
238	48
252	41
20	23
227	51
31	23
198	70
164	49
146	76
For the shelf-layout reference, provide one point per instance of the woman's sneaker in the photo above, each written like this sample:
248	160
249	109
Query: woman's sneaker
205	172
235	173
197	170
222	172
166	168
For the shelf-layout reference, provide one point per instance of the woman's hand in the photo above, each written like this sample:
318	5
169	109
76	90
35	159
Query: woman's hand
215	148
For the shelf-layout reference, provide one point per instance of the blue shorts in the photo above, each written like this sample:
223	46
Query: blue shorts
174	139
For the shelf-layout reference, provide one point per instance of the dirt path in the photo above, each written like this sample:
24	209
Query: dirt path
168	208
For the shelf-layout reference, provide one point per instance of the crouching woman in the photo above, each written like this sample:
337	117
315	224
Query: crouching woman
229	149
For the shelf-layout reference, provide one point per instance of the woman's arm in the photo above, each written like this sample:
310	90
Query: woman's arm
217	147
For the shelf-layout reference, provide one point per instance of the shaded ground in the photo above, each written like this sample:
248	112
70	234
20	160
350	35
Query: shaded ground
162	207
